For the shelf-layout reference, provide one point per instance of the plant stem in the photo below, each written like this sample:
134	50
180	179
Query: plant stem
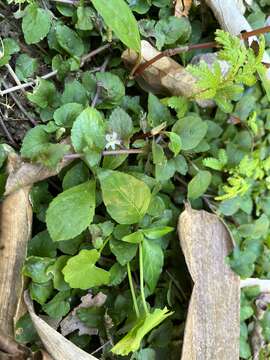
141	279
135	304
104	244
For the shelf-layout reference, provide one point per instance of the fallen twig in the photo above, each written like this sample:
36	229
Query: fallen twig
5	129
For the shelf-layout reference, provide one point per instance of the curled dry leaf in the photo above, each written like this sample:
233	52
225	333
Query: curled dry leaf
25	173
56	345
16	225
257	339
71	322
216	293
182	7
11	350
165	76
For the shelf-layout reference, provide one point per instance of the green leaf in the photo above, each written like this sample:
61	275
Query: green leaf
66	114
7	47
69	40
159	157
44	94
123	251
134	238
172	29
36	24
175	143
157	112
55	270
35	267
41	292
25	67
77	175
125	197
74	92
36	146
81	272
118	16
88	135
131	342
112	90
117	274
25	331
191	130
121	123
153	260
59	306
157	232
199	184
84	18
71	211
41	245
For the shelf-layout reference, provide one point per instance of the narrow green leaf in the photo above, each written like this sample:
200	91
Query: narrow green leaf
118	16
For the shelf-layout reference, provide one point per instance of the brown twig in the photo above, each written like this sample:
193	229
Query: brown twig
107	153
98	90
85	59
179	50
20	106
7	133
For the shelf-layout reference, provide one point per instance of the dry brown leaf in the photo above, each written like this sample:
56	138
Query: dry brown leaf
182	7
216	293
25	173
11	350
71	322
16	226
164	77
56	345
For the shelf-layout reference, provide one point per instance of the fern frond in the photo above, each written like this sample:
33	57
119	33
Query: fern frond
212	163
222	157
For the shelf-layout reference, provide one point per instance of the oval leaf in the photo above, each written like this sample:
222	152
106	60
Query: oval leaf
71	212
126	198
118	16
199	184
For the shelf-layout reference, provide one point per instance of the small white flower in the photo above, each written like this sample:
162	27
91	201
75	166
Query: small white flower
112	140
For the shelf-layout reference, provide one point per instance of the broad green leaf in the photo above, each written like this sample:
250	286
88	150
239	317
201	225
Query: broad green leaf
159	157
71	211
125	197
55	270
25	332
69	40
191	129
77	175
123	251
121	123
36	24
74	92
84	18
66	114
41	292
153	260
35	267
175	143
172	29
25	67
118	16
88	135
44	94
41	245
199	184
117	274
112	90
134	238
132	341
157	112
81	272
58	306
